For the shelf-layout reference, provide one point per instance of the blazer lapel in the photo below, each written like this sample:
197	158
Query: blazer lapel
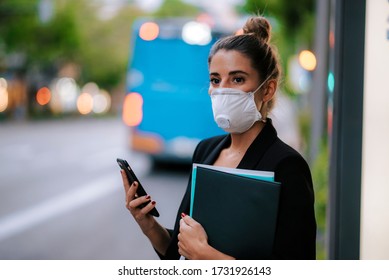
259	146
224	143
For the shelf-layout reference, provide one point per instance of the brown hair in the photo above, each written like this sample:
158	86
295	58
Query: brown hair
254	43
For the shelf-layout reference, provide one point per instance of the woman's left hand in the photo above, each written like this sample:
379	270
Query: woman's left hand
192	239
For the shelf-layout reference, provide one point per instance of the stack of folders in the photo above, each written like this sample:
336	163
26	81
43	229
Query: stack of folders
237	208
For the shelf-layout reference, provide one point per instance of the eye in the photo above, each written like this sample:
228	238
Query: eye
214	81
238	80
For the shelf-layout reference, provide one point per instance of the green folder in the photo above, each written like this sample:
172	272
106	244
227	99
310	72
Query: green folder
238	212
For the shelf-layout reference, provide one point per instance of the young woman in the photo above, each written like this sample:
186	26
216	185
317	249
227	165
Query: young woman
244	73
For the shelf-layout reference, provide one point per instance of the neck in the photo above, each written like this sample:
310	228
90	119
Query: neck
241	142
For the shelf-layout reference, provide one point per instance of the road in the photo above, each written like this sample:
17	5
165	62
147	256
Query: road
61	195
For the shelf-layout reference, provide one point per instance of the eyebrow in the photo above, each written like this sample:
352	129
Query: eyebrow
231	73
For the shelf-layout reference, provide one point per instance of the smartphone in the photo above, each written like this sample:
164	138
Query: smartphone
131	178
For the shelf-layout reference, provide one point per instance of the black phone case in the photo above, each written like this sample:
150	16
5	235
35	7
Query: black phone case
123	164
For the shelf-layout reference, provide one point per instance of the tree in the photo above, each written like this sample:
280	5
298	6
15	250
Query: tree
104	49
177	8
74	34
18	22
41	44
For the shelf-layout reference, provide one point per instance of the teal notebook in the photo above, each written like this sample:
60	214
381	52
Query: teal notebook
237	210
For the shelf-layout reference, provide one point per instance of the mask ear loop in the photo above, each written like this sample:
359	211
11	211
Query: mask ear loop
263	118
262	84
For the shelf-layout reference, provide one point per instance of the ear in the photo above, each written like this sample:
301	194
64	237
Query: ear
269	91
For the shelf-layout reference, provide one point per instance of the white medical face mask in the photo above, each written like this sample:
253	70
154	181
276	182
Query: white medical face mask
235	110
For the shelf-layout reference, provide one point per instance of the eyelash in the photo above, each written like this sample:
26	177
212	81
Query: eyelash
216	81
240	78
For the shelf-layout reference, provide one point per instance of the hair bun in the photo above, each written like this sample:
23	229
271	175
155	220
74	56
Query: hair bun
260	27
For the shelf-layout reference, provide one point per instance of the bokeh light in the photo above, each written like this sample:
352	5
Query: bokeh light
149	31
3	95
331	82
102	102
331	39
64	95
132	109
85	103
43	96
206	18
307	60
91	88
196	33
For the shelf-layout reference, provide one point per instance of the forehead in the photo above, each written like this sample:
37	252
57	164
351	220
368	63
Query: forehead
225	61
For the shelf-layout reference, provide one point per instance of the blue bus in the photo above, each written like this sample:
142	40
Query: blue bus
167	105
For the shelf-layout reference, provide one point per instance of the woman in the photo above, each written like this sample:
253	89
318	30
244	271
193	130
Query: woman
244	73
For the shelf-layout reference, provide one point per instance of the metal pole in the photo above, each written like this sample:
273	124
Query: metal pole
346	145
319	85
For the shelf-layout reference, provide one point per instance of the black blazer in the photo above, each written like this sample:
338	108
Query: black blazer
296	225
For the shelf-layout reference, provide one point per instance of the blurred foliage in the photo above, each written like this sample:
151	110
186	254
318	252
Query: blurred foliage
304	121
320	174
293	25
178	8
22	32
105	44
75	34
17	21
295	17
320	178
57	40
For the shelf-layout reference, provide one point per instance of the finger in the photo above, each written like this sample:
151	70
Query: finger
131	193
189	220
183	226
135	203
181	247
145	210
125	181
182	223
182	250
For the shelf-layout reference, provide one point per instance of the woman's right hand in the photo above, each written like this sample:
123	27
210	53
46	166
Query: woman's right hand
141	216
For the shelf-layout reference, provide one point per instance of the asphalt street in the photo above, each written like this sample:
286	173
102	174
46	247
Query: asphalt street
61	195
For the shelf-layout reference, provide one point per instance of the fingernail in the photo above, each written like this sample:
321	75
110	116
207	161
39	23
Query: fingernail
153	202
148	196
183	215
